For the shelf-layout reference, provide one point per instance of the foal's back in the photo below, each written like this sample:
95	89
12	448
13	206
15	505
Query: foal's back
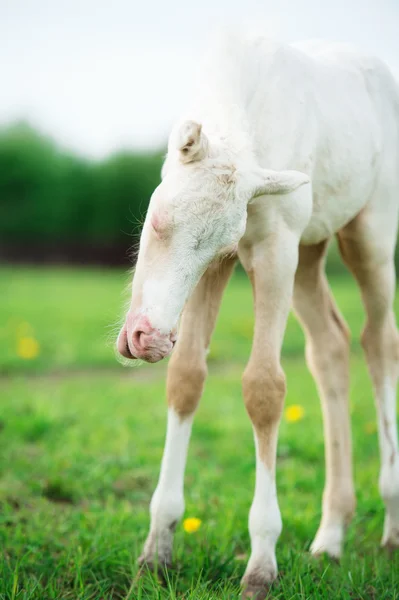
317	107
355	159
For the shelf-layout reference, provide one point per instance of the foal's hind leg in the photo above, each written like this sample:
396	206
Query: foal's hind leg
367	246
327	354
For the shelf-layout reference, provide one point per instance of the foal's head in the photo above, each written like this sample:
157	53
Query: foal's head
197	214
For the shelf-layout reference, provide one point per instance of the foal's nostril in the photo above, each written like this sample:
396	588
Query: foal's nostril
137	338
122	344
149	341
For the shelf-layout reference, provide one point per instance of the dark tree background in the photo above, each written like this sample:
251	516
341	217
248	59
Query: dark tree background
57	206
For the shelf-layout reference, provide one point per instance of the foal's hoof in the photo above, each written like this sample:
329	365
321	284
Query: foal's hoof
328	542
320	555
390	539
255	592
257	586
159	568
390	547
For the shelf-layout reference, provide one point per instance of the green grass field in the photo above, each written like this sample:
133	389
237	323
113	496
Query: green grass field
81	441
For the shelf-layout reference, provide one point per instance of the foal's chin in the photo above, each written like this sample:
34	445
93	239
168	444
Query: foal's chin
154	357
151	355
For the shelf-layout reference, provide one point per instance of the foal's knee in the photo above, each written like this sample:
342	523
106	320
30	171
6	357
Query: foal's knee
264	391
185	382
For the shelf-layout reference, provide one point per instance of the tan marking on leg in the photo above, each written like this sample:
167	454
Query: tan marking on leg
264	391
185	381
187	367
327	354
270	264
368	251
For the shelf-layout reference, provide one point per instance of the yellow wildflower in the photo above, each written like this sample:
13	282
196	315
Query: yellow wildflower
294	413
191	525
28	348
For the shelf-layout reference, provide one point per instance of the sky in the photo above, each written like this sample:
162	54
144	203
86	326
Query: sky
104	75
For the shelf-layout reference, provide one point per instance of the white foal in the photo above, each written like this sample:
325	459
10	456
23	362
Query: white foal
282	148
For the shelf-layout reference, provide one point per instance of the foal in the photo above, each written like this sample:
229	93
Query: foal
283	147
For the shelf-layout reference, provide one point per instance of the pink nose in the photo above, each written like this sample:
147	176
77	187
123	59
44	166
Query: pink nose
139	339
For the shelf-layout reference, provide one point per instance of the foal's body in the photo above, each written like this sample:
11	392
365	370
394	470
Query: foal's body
332	114
320	108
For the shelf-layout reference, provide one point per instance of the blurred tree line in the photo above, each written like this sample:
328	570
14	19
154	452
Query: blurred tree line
58	206
51	198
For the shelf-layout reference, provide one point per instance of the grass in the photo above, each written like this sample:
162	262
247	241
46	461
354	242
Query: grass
81	440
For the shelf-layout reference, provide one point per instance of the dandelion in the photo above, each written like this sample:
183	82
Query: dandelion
28	348
294	413
191	525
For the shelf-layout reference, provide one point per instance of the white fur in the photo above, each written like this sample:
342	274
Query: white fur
389	474
329	539
318	109
264	523
167	504
281	145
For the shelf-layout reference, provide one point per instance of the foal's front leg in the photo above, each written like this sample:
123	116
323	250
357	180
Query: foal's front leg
186	375
271	265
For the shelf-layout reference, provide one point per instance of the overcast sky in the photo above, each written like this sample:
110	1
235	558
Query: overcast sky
99	75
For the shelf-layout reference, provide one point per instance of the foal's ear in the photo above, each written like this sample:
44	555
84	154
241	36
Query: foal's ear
192	143
265	181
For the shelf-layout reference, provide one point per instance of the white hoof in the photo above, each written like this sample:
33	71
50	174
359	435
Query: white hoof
328	540
390	538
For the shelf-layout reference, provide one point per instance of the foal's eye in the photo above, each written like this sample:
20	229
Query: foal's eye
155	231
160	226
197	243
